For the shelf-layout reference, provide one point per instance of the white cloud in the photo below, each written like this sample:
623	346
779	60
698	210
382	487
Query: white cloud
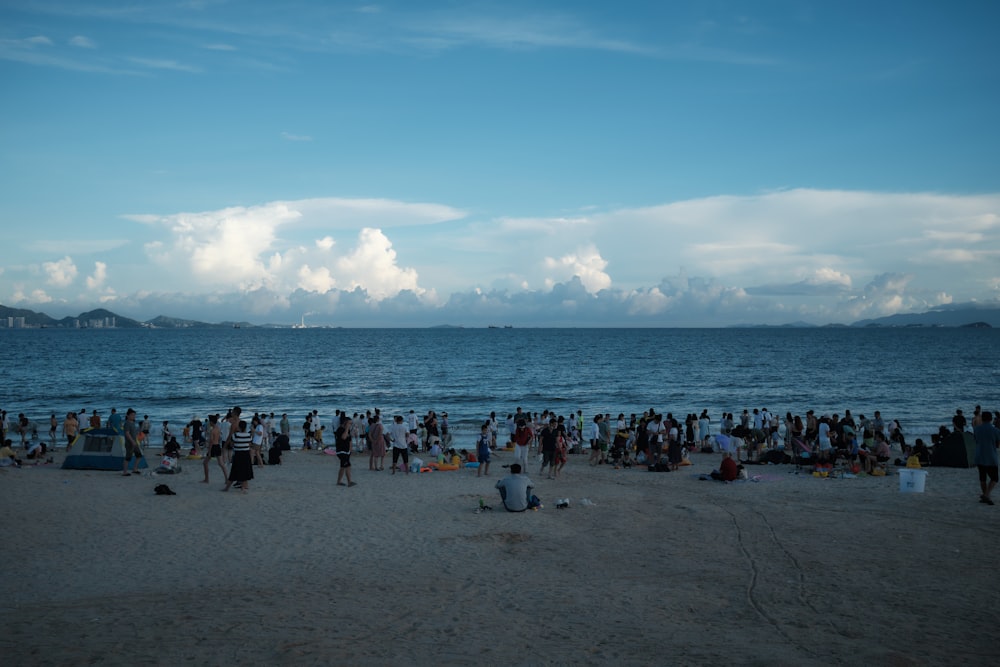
372	265
817	256
100	275
343	213
222	247
82	42
318	280
586	264
60	273
165	64
256	247
288	136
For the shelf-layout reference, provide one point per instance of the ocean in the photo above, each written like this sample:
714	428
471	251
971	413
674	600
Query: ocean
917	375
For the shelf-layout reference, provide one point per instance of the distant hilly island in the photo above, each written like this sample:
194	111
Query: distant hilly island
964	315
103	318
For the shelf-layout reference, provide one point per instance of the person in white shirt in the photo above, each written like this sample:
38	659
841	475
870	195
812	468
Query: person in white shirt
257	442
398	433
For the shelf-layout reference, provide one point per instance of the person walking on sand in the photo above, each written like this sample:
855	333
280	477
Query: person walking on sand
522	438
241	470
483	451
214	448
548	438
342	444
594	437
257	442
987	438
70	427
132	450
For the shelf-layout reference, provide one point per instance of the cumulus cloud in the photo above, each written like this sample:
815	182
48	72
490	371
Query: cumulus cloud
60	273
268	246
822	282
221	247
96	280
372	264
29	298
771	258
586	264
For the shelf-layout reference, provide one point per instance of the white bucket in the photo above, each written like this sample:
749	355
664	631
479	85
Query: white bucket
911	480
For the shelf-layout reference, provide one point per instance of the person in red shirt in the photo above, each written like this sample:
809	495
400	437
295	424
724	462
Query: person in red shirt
728	470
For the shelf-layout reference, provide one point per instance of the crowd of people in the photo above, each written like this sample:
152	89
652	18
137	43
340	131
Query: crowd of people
658	440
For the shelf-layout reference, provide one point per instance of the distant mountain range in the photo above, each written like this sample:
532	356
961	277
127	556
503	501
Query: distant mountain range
959	315
102	318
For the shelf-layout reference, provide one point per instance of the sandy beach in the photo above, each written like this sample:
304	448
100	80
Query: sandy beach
658	568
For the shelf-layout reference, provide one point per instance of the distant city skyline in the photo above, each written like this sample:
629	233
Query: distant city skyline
525	163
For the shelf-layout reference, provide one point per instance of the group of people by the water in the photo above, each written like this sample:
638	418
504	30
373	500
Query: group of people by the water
653	438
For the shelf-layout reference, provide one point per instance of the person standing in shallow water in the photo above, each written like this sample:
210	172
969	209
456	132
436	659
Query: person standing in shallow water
342	442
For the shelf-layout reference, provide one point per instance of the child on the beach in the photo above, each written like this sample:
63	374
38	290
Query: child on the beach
483	450
167	435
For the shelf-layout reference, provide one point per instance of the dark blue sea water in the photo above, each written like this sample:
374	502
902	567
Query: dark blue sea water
919	376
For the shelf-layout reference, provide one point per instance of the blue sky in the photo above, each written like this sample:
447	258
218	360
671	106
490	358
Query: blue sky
528	163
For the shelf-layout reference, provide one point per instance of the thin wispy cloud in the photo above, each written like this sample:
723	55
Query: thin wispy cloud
82	42
165	64
40	52
288	136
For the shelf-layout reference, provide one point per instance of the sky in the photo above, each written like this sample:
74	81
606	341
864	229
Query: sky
524	163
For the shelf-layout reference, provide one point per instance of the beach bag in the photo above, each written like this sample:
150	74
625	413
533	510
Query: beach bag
168	466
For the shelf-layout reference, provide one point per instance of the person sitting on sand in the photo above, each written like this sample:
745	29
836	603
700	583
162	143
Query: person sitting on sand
7	455
172	448
921	451
728	470
413	442
515	490
435	449
35	450
880	454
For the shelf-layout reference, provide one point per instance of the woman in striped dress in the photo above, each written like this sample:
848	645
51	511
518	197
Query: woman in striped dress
241	469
